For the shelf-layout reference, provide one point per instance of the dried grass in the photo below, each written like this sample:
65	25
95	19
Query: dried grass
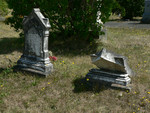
22	92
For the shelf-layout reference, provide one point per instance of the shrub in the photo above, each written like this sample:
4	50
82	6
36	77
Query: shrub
3	7
70	18
129	8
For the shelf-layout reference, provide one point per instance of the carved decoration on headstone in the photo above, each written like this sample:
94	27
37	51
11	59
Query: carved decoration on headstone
35	56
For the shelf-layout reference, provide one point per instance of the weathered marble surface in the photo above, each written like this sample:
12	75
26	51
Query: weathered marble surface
112	68
101	75
108	60
35	56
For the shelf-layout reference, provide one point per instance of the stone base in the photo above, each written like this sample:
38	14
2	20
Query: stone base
113	78
35	66
146	19
117	86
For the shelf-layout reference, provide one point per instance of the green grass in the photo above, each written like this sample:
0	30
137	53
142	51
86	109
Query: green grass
65	91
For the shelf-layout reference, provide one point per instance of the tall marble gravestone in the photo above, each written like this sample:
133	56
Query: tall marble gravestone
146	15
35	56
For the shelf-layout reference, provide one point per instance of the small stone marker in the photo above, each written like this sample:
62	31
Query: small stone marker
146	15
35	56
2	19
113	68
103	37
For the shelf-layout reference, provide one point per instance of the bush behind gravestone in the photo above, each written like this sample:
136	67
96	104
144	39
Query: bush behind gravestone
68	18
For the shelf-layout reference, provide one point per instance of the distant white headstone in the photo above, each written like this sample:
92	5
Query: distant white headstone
100	23
146	15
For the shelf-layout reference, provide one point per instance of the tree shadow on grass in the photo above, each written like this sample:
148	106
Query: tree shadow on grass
73	47
82	85
64	48
8	45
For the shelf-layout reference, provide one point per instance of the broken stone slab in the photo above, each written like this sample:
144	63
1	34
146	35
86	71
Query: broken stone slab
105	76
108	73
110	61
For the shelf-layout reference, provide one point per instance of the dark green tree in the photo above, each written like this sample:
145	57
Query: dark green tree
129	8
3	7
67	17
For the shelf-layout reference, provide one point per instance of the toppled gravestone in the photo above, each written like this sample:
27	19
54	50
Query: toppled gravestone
113	68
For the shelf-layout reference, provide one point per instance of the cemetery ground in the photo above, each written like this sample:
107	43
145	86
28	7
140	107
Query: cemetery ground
65	91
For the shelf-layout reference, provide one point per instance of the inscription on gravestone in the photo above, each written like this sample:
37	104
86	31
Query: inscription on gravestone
33	42
35	57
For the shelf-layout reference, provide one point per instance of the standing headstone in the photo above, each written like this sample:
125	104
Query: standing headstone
35	56
146	15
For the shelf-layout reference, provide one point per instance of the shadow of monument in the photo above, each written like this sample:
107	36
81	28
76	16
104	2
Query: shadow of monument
82	85
8	45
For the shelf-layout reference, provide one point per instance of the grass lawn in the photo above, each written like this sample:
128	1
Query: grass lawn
63	91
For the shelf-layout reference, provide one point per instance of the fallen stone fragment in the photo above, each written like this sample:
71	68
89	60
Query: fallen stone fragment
112	69
110	61
116	78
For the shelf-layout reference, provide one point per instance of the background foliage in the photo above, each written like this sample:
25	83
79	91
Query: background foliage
129	8
3	8
69	18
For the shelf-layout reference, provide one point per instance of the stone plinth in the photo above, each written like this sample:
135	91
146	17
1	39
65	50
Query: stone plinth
146	15
112	68
111	77
35	56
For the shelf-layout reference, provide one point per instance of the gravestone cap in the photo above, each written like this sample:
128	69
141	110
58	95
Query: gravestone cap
36	14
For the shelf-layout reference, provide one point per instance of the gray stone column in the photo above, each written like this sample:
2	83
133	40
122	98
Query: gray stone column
146	15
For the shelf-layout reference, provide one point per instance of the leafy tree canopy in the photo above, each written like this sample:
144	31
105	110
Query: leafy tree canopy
67	17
